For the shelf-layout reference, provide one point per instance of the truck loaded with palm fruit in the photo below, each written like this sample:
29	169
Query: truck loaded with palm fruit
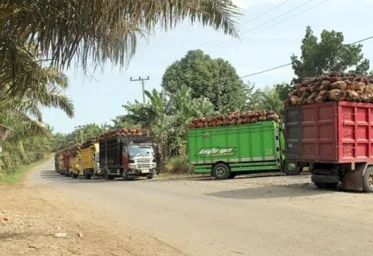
127	153
238	143
329	122
89	152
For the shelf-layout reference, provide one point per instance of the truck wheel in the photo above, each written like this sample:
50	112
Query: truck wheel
319	185
221	171
150	176
125	175
108	176
291	168
87	176
232	175
331	186
74	176
368	180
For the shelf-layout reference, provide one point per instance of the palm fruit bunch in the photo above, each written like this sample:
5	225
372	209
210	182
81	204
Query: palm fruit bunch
334	86
235	118
90	142
75	150
124	132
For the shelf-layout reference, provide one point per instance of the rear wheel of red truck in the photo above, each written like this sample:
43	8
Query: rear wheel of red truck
368	180
221	171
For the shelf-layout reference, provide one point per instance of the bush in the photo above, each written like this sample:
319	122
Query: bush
178	165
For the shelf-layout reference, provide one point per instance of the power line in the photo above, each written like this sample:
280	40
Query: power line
289	64
271	9
255	18
278	23
278	16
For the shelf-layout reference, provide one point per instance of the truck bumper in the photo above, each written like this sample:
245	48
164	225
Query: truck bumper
143	173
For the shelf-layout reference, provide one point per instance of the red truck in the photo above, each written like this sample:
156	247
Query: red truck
66	160
337	139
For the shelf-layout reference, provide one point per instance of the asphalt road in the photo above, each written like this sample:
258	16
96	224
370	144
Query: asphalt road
265	215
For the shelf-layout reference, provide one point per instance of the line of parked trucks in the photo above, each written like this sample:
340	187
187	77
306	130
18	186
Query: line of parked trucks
120	155
333	139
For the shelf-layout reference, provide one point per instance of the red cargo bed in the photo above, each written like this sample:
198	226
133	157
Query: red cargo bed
333	132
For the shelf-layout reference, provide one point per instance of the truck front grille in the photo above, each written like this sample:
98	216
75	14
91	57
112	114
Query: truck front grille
143	166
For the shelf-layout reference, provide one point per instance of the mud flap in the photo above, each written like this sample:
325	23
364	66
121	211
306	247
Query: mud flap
353	180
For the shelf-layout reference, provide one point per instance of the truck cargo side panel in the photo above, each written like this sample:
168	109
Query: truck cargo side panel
233	144
110	153
356	132
335	132
293	132
319	132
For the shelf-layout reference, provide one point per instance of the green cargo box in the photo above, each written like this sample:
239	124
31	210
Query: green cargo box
246	148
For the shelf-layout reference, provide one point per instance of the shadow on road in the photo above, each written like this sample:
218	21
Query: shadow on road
207	177
267	192
53	176
13	236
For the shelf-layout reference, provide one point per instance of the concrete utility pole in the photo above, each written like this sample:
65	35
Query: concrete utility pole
142	85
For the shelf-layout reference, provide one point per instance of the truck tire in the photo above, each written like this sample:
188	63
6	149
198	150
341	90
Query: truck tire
74	176
368	180
232	175
87	176
221	171
150	176
291	169
125	175
108	176
319	185
331	186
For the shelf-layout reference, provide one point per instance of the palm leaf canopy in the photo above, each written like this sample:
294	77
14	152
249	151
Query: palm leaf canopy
102	29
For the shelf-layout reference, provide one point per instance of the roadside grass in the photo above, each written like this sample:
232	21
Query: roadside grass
19	175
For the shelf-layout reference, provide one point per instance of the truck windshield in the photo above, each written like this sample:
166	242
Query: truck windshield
136	150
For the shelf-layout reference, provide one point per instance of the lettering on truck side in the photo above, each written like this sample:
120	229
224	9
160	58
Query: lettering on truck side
217	151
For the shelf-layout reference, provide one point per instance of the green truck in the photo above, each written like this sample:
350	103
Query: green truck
227	151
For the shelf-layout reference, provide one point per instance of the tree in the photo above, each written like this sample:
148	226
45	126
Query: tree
97	31
215	79
270	100
167	117
328	54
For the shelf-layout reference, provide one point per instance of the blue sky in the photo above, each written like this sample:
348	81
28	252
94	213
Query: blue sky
263	44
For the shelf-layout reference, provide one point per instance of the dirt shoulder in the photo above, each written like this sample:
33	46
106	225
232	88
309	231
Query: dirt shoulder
39	220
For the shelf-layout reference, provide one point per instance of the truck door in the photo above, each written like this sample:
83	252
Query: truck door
125	160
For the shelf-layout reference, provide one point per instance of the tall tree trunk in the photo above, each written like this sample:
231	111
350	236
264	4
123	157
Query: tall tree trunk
22	152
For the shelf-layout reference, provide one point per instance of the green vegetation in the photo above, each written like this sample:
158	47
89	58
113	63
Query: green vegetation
177	165
328	54
215	79
20	174
39	38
